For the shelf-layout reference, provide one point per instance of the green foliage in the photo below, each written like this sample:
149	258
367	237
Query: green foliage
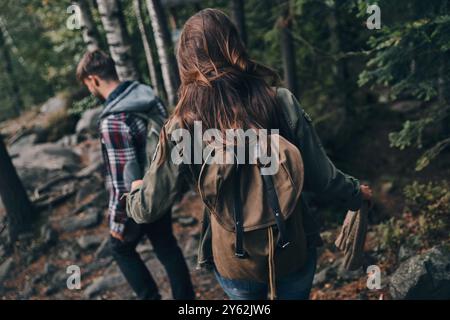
88	102
411	134
392	234
432	203
410	57
43	50
426	220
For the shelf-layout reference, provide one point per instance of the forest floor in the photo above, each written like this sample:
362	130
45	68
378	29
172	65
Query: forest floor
40	262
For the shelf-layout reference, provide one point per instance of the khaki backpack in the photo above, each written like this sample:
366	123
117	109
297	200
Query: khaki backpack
256	222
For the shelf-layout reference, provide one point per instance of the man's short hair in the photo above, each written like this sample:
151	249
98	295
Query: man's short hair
96	63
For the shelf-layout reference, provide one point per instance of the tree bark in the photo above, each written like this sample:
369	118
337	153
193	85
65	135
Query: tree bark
287	47
340	72
147	49
238	16
88	29
14	197
118	39
9	70
164	46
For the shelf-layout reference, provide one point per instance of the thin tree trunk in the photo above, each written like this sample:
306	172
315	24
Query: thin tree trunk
164	46
118	39
89	29
287	47
238	16
14	197
340	71
15	89
173	18
148	52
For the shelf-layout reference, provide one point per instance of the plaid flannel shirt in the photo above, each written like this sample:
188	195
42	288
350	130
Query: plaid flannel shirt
123	137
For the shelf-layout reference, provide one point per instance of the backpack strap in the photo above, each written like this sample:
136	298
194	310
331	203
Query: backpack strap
238	219
275	206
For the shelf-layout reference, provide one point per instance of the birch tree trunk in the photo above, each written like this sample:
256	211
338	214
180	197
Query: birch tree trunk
88	29
118	39
164	46
148	52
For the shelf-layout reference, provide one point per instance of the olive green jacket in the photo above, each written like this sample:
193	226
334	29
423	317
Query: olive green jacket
163	183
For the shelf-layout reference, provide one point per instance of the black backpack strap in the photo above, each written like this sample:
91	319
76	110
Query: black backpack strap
238	218
272	197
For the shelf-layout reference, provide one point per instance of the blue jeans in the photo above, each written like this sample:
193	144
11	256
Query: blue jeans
296	286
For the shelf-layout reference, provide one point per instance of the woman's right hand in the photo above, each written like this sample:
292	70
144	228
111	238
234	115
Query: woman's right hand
366	192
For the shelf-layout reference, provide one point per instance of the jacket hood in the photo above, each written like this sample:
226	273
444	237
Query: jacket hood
136	97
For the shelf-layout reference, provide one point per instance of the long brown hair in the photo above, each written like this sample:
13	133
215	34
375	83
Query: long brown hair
220	85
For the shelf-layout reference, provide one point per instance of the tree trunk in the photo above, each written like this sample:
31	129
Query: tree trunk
9	70
147	49
88	29
238	16
173	18
14	197
118	39
164	45
340	71
287	47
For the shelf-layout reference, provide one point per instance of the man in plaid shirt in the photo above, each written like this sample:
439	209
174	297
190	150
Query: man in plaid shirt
123	132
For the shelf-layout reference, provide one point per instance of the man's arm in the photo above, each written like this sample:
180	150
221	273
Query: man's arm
118	141
161	186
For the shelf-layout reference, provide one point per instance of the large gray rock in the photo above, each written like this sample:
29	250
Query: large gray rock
5	268
33	177
22	144
104	250
327	274
69	252
58	281
89	241
103	283
88	121
55	104
68	141
425	276
90	218
49	156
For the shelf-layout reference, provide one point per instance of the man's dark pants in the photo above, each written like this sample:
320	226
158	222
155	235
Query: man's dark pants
165	246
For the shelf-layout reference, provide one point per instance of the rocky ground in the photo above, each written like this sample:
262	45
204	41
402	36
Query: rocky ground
64	180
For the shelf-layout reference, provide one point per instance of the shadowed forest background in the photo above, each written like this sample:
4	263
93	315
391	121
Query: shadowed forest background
379	98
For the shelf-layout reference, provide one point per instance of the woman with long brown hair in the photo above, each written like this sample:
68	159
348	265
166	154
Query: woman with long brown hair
222	88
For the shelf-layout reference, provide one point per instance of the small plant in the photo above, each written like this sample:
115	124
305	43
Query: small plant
431	203
88	102
392	234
